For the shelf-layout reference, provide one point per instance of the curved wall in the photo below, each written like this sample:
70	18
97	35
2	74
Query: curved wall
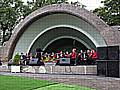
59	15
59	33
44	24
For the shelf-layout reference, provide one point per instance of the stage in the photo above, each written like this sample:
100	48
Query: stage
80	69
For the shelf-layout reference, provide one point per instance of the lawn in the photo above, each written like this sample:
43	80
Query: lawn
63	87
22	83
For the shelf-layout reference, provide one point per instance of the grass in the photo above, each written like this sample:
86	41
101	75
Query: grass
64	87
22	83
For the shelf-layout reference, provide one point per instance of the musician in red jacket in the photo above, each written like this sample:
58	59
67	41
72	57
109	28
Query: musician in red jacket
73	56
94	56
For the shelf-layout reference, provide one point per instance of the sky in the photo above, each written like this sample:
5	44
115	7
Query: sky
91	4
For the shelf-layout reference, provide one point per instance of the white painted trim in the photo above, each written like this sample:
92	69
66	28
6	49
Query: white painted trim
66	37
69	26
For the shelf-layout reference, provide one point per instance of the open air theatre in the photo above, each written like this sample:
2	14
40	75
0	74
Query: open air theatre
64	27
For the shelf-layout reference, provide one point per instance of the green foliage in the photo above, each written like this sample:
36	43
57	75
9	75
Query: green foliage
110	13
16	59
77	3
40	3
11	12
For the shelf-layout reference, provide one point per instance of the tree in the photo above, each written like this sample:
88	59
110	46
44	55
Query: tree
35	4
77	3
11	12
0	37
110	13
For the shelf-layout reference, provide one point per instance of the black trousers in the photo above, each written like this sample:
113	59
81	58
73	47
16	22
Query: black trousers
72	61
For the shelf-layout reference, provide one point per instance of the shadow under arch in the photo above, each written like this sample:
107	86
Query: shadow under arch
65	44
60	33
69	38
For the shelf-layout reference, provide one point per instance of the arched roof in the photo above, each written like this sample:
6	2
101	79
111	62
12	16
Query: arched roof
89	17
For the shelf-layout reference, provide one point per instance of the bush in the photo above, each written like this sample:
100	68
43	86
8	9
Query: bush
16	59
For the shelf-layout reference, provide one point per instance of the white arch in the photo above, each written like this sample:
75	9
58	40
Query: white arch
68	26
66	37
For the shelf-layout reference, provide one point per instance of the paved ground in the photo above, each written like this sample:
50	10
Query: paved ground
99	83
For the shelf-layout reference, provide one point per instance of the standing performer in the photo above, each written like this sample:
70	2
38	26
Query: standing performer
94	56
38	55
73	56
89	57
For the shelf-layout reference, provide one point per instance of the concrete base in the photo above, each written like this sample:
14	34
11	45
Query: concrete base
4	68
15	69
83	69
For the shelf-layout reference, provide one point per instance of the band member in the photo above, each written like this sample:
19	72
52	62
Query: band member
38	53
73	56
28	58
22	59
94	56
89	56
67	55
61	55
83	56
79	56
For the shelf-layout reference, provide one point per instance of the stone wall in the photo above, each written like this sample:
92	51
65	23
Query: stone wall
87	69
